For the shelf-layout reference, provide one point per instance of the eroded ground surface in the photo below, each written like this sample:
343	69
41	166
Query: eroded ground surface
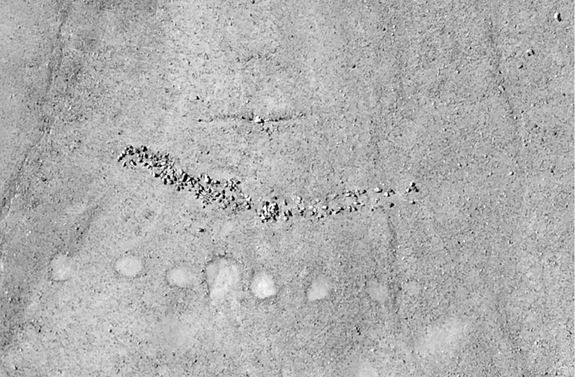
317	188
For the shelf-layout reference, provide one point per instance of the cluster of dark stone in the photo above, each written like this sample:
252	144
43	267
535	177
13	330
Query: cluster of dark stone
228	194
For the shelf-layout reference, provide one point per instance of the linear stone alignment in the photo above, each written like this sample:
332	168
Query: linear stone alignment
227	194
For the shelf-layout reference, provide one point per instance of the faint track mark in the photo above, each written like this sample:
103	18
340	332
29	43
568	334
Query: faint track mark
12	308
80	228
392	273
14	182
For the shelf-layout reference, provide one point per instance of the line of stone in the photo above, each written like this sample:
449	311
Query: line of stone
227	194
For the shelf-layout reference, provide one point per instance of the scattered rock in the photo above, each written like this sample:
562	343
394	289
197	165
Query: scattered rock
412	188
227	194
263	286
129	266
204	187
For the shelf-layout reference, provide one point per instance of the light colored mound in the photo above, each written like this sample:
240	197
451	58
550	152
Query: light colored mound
62	268
263	285
363	368
319	289
378	292
444	339
223	279
129	266
182	277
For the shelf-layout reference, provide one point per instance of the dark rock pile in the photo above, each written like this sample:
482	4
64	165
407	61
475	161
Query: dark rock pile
227	194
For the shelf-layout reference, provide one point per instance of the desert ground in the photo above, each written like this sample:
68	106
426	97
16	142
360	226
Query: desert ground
286	188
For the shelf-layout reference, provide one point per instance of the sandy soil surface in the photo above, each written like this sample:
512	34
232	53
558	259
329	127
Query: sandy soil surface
302	188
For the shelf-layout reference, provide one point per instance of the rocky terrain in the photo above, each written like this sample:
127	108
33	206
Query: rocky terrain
264	188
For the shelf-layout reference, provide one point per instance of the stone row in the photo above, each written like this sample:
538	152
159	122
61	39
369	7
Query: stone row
227	194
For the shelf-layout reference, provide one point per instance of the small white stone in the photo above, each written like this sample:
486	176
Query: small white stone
62	268
129	266
318	290
182	277
263	285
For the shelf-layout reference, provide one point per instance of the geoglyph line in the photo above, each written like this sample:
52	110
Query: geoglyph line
228	195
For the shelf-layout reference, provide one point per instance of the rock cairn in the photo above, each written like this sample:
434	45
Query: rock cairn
227	194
